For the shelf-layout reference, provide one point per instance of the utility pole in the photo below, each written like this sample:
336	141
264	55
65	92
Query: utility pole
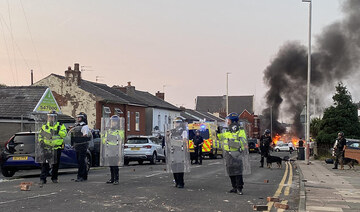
227	93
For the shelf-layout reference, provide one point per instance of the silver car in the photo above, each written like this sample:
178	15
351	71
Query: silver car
144	148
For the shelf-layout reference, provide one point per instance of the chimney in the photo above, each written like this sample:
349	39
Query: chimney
32	77
130	89
160	95
73	77
121	88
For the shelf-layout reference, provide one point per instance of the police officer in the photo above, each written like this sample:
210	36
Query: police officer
265	142
339	149
115	132
234	144
198	143
81	143
177	138
51	139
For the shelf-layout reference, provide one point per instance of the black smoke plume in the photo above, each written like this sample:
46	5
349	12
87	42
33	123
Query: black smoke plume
335	56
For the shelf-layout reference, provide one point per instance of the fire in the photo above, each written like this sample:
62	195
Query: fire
276	138
294	141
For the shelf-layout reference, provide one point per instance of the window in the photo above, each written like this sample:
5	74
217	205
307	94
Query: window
165	119
137	121
106	112
159	121
169	120
118	111
128	121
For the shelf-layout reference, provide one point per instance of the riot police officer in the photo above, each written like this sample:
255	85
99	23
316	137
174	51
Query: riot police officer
265	142
112	148
51	141
340	146
81	144
235	152
177	152
198	143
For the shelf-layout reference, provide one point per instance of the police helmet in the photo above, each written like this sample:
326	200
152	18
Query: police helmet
341	134
233	117
83	116
115	122
267	131
52	117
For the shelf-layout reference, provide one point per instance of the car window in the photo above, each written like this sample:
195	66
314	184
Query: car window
25	139
356	145
137	141
155	140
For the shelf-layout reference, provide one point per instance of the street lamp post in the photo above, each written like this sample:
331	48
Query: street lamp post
227	93
308	89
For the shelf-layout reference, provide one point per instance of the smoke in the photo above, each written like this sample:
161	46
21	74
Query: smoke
335	57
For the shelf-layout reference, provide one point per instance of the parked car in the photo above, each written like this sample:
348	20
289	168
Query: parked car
95	148
19	154
283	147
143	148
253	145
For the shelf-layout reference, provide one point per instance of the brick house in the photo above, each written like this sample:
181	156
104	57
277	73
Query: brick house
159	113
75	95
253	121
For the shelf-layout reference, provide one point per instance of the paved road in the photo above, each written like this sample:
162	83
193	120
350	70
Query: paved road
148	188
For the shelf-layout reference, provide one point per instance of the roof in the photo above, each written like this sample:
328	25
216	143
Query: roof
17	101
192	115
215	104
151	100
106	93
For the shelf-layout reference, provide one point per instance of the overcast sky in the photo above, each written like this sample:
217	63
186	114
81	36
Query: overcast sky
182	46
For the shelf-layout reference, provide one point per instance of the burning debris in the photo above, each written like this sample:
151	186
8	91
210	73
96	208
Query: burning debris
336	55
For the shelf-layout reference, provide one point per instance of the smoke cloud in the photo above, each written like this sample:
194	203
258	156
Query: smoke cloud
335	57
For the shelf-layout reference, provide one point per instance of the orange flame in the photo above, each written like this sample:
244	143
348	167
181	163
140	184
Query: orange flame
276	138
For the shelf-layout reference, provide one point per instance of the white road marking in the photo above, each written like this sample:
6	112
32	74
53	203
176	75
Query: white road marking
151	175
27	198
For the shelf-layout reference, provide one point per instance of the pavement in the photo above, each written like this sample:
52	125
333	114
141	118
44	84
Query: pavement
149	188
325	189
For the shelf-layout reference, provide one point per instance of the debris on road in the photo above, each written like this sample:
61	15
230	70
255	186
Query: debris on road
25	186
266	181
260	207
281	206
273	199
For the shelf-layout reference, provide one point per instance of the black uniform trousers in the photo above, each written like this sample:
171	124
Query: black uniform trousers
45	168
264	154
114	170
81	156
179	179
198	154
237	181
339	158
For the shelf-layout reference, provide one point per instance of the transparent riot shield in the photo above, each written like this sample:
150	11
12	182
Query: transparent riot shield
112	141
177	149
44	150
79	138
236	162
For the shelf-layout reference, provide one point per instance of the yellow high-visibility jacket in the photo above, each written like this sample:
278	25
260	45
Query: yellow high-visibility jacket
52	135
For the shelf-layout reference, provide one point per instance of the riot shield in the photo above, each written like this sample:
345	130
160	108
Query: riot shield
177	149
77	138
44	150
112	142
237	162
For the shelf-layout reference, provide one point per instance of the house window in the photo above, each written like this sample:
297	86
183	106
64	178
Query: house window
106	112
128	121
159	121
169	120
118	111
137	121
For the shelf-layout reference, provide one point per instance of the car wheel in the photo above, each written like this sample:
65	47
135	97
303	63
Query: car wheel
7	172
126	162
153	158
88	162
277	150
140	162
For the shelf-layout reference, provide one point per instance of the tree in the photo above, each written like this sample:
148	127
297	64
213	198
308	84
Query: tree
342	116
315	127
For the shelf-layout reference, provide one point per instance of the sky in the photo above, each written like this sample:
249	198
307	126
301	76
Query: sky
181	47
